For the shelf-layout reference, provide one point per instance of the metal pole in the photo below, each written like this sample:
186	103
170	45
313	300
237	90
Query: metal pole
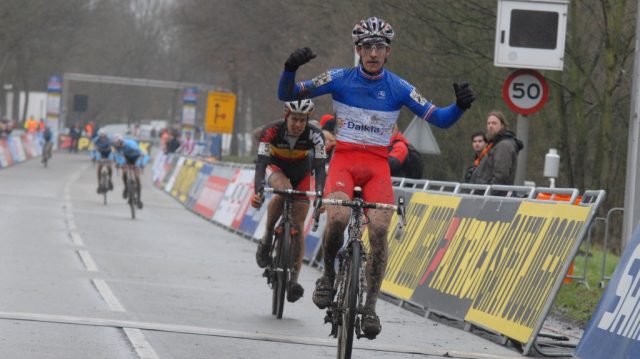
63	104
632	193
522	131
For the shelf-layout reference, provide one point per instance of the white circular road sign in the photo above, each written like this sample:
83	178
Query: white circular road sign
525	91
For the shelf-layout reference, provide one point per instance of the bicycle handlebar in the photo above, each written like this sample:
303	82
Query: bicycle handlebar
290	192
399	208
358	204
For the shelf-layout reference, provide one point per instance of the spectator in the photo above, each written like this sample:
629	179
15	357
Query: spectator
172	142
31	125
188	145
88	129
75	133
479	145
328	125
499	164
398	151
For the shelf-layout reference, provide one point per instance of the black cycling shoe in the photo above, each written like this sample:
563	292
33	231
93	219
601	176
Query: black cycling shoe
124	193
371	326
140	205
323	294
99	190
262	255
110	185
294	292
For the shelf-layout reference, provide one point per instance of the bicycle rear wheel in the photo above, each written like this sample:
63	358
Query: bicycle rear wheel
131	189
282	271
350	302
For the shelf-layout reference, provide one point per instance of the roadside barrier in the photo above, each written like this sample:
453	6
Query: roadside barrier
18	148
614	329
491	256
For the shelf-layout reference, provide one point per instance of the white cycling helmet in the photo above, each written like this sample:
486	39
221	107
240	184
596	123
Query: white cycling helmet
372	29
301	106
102	132
117	138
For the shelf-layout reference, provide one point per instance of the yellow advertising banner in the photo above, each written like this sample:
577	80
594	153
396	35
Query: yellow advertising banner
513	292
428	216
221	109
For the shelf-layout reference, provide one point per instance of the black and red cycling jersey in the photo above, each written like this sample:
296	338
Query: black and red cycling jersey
291	154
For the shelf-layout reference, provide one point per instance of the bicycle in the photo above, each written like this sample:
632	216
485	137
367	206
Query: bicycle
103	184
346	310
282	262
46	152
132	188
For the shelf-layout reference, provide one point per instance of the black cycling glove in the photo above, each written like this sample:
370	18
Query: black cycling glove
464	95
298	58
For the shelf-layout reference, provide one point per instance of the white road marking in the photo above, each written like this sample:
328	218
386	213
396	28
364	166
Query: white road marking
88	262
140	343
75	237
185	329
108	296
134	335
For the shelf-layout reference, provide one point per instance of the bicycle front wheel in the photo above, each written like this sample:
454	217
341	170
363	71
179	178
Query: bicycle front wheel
131	189
282	272
350	303
104	185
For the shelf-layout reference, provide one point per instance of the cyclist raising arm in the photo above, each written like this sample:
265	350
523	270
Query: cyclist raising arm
128	153
283	150
367	100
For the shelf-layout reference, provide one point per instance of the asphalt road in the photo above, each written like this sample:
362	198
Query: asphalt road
83	280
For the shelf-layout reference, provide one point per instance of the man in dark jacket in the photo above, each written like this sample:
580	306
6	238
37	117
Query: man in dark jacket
173	143
500	163
479	145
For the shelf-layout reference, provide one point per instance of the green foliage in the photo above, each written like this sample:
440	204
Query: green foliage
576	302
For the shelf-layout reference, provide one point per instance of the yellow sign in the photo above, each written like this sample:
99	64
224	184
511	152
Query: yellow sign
221	109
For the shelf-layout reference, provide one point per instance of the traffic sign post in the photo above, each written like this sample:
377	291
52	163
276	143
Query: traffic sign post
221	109
525	92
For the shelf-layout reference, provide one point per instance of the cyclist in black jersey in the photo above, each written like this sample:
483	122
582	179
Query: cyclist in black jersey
283	156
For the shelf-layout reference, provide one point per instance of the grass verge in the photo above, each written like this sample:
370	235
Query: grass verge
576	302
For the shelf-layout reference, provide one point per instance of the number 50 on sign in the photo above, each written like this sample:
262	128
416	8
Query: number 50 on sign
525	91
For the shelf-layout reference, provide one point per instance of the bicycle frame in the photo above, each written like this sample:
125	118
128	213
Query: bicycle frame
343	314
279	272
104	177
131	188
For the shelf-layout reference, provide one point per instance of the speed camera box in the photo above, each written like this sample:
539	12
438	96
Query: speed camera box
531	34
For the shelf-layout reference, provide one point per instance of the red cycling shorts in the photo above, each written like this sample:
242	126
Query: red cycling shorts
303	184
365	166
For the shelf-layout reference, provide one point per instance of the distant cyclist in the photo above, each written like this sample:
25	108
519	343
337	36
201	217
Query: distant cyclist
47	147
128	152
102	151
283	150
366	100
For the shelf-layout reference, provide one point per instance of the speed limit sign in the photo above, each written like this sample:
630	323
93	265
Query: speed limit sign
525	91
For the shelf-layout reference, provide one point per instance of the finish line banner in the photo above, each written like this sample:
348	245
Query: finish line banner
614	329
489	261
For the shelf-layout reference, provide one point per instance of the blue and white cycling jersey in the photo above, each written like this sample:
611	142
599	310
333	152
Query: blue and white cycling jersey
367	107
130	150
